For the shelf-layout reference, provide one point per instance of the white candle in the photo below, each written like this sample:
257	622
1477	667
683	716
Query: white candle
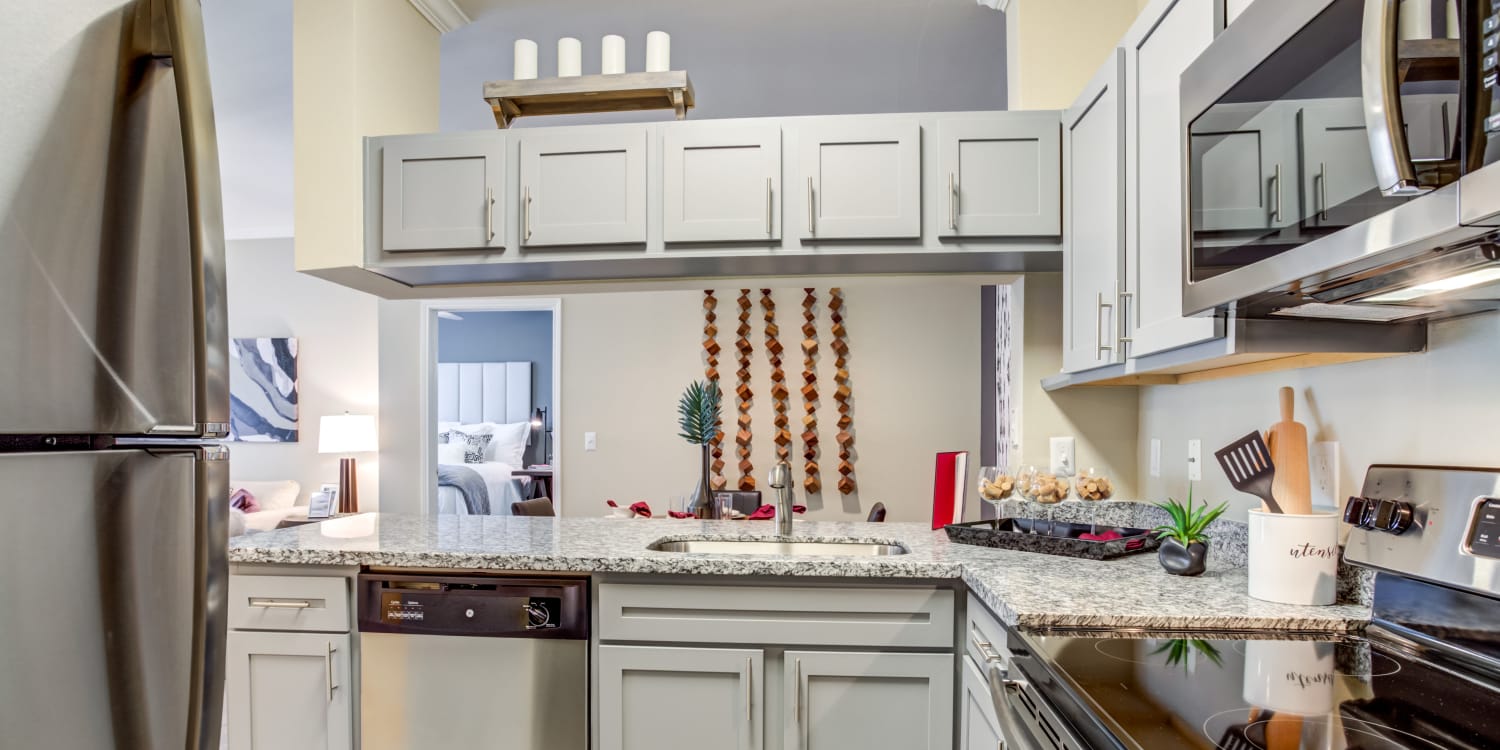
612	55
569	57
1416	19
524	68
658	52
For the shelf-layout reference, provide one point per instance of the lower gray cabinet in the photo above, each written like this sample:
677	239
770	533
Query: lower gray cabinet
978	724
844	701
653	697
289	691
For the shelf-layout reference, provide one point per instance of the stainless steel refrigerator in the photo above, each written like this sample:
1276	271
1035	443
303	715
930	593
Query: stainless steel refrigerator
113	379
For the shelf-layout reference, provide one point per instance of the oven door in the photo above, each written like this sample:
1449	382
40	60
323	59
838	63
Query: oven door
1028	722
1320	134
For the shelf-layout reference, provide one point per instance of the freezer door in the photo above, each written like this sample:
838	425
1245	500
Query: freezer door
112	316
113	580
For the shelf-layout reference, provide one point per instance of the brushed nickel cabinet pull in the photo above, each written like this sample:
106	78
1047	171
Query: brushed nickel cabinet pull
812	222
768	207
526	214
749	701
328	668
489	215
1100	307
275	604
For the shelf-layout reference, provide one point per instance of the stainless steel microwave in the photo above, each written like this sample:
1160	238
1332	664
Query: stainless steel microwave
1339	161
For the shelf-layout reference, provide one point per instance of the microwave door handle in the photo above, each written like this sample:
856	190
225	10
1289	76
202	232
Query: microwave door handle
1380	89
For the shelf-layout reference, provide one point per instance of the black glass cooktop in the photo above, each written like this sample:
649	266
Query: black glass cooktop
1270	694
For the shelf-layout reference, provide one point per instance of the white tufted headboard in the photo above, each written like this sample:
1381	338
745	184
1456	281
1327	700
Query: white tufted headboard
470	392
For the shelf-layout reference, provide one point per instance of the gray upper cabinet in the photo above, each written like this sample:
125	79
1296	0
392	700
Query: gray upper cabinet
1166	37
852	701
659	697
443	192
1094	207
584	186
1001	176
721	182
860	179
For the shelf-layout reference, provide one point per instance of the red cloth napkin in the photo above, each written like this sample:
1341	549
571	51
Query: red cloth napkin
766	512
679	514
641	509
1109	535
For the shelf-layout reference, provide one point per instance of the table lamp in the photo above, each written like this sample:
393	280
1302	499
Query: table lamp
347	433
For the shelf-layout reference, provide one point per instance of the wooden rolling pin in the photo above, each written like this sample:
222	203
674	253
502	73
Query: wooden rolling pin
1287	440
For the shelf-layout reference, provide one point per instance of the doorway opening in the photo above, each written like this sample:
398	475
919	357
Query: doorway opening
493	404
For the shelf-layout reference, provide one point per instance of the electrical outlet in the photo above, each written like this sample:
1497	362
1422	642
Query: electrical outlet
1324	465
1062	456
1195	461
1155	457
591	441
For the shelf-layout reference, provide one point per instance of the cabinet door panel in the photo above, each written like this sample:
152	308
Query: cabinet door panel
1243	169
843	701
583	188
1093	157
979	726
289	691
1001	176
1165	39
861	180
656	697
721	184
441	192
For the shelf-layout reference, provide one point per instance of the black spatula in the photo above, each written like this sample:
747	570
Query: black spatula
1247	463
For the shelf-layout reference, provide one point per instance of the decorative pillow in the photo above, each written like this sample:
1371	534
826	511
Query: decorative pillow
243	501
473	445
450	453
508	445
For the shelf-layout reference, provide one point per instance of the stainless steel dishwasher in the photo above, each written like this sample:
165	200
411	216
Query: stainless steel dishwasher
458	661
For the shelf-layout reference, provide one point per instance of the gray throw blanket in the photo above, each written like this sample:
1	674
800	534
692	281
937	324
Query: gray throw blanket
469	484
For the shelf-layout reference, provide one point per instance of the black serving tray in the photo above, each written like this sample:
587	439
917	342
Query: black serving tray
1052	537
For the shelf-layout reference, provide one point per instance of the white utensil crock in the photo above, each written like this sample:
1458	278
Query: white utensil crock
1290	676
1294	558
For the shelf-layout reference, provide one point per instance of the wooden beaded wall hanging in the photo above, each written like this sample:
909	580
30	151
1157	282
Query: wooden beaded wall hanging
742	390
843	394
811	482
711	372
779	391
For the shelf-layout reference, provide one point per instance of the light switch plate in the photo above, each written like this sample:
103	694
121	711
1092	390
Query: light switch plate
1195	460
1155	457
1061	458
591	441
1324	471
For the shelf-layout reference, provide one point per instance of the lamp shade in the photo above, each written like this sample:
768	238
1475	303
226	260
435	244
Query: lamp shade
347	433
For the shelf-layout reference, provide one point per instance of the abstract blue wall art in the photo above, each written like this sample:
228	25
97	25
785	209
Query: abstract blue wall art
263	390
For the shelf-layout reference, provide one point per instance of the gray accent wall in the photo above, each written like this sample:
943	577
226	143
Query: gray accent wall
503	336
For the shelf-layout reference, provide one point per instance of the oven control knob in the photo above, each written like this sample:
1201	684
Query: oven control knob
1354	511
469	613
1393	516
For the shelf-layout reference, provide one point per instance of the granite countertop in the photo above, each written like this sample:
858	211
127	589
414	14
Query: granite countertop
1025	589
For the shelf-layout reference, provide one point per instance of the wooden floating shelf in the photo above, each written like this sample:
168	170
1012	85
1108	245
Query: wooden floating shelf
623	92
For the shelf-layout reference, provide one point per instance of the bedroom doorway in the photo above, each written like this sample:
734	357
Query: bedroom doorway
493	398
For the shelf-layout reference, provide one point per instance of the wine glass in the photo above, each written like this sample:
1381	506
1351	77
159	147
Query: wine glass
995	486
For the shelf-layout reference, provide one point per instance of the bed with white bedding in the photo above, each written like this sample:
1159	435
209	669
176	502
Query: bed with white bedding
503	489
484	426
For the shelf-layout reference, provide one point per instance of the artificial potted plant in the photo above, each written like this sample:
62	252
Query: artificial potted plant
698	418
1184	546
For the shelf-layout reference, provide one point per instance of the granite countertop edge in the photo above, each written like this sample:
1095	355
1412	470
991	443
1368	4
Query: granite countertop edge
1023	589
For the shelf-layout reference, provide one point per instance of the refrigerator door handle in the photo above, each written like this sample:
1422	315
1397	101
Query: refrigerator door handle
182	22
211	599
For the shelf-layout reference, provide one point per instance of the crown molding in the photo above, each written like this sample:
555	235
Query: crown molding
444	15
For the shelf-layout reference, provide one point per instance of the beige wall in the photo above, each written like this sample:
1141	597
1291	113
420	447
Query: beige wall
1439	408
360	68
337	344
1053	47
1102	421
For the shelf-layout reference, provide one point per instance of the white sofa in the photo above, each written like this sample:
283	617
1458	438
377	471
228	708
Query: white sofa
278	500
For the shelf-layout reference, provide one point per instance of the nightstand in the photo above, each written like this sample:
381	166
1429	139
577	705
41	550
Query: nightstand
541	482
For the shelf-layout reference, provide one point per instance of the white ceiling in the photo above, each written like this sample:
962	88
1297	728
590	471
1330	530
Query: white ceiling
749	59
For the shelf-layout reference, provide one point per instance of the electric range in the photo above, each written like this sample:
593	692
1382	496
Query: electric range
1425	675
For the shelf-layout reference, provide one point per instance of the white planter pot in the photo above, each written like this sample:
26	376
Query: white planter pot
1294	559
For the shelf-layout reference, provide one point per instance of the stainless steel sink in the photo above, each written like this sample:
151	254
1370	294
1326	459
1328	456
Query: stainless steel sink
851	548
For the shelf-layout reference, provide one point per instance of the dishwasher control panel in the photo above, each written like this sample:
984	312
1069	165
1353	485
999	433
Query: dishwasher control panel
473	605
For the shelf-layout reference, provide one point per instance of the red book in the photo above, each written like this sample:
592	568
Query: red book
949	488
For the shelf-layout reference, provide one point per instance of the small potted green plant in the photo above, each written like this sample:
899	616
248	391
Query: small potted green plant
1184	546
698	418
